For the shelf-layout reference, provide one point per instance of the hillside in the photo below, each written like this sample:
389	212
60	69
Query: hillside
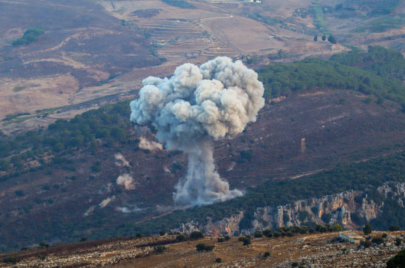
91	53
303	250
96	175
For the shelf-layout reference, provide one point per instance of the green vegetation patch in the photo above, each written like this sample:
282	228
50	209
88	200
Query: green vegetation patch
30	36
267	20
179	3
379	72
320	19
18	89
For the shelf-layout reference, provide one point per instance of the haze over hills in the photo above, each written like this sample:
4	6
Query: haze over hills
327	146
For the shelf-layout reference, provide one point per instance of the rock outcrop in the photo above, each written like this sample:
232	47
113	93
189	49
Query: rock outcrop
347	208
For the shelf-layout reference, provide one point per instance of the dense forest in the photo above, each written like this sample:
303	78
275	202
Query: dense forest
379	72
106	126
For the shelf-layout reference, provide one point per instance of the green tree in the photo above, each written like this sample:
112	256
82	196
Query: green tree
367	229
332	39
196	235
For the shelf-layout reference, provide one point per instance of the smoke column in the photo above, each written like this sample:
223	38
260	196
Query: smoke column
191	109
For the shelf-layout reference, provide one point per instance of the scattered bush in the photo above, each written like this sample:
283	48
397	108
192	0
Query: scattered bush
266	254
377	240
12	260
258	234
394	228
221	239
19	193
159	249
196	235
218	260
181	237
246	240
42	244
268	233
366	244
204	247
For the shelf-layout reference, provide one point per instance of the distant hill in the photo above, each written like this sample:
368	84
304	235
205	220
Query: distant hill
60	183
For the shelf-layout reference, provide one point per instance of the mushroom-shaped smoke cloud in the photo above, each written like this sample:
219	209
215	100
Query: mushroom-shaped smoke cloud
194	107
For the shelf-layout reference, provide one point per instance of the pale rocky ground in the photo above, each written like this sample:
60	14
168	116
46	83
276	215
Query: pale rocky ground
317	250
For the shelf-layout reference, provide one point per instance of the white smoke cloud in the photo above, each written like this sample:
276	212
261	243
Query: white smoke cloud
193	107
127	181
120	161
149	145
133	209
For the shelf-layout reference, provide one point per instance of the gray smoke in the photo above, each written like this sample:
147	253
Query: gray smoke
194	107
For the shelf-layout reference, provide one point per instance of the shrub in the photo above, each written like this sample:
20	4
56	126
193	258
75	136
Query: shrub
366	244
218	260
19	193
258	234
398	241
159	249
83	239
246	240
394	228
266	254
378	240
221	239
162	232
227	237
384	235
139	235
42	244
204	247
181	237
196	235
268	233
12	260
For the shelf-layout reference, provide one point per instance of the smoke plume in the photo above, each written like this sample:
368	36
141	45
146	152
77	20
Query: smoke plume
127	181
149	145
194	107
120	161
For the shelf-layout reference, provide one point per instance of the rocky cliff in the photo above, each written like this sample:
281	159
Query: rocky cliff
350	209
